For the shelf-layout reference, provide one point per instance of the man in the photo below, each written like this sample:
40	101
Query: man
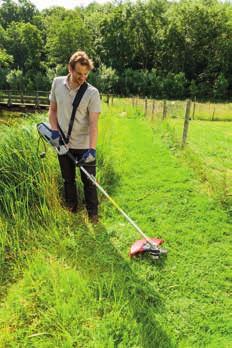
83	138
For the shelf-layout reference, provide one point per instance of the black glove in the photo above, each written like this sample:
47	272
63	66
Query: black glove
89	156
55	137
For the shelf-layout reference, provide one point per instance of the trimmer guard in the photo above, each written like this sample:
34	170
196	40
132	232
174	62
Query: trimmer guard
142	246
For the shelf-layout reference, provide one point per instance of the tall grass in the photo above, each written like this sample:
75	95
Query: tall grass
31	191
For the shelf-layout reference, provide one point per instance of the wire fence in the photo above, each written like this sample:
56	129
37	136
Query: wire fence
151	107
207	111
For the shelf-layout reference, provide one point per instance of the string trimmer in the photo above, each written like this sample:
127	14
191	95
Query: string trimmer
144	245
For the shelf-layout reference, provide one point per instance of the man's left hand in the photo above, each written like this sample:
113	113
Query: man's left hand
89	156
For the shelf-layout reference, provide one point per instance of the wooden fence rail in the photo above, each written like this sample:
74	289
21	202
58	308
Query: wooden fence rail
27	100
34	100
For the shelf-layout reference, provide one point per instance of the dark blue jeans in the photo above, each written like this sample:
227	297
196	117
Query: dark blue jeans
68	171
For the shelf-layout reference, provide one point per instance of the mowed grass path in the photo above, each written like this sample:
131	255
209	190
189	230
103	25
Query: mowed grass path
83	291
165	197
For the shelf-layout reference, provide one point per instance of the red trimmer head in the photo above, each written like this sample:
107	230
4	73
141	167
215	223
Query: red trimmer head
150	245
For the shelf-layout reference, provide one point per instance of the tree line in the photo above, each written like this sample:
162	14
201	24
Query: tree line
153	48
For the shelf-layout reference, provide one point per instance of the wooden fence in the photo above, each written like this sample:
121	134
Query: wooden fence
12	99
34	100
155	109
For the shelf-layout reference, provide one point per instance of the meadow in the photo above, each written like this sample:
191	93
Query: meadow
67	283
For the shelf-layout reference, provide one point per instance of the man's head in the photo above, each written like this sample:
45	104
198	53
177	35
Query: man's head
79	67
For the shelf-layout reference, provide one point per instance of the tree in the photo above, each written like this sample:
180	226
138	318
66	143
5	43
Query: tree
93	16
2	37
193	38
10	12
27	11
105	79
220	88
66	33
174	85
193	89
25	44
116	49
15	79
158	48
5	59
130	35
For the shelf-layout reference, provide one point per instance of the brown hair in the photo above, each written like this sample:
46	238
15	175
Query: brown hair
82	58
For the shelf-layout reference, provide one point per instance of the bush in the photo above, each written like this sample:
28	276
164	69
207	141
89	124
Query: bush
220	89
105	79
174	86
15	79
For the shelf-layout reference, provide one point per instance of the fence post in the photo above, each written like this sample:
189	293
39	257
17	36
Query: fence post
164	109
153	109
21	97
194	107
136	101
9	102
186	122
37	99
145	106
213	112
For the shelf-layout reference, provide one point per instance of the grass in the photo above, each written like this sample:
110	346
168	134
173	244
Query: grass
66	283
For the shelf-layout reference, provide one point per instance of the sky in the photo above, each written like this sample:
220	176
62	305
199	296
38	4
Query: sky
41	4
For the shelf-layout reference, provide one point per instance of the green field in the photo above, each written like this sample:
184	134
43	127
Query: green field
66	283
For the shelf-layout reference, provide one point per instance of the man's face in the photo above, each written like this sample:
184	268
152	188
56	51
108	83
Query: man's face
79	74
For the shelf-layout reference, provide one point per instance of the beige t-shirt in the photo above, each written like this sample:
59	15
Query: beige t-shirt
63	96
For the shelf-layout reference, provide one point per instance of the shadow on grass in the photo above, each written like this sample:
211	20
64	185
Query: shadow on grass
111	278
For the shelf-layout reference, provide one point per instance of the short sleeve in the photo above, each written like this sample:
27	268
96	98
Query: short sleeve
95	102
52	95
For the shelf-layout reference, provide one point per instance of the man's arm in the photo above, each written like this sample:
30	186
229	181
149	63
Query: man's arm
52	115
93	129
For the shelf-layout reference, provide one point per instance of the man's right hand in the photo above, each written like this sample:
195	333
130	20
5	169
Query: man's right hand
55	137
55	134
